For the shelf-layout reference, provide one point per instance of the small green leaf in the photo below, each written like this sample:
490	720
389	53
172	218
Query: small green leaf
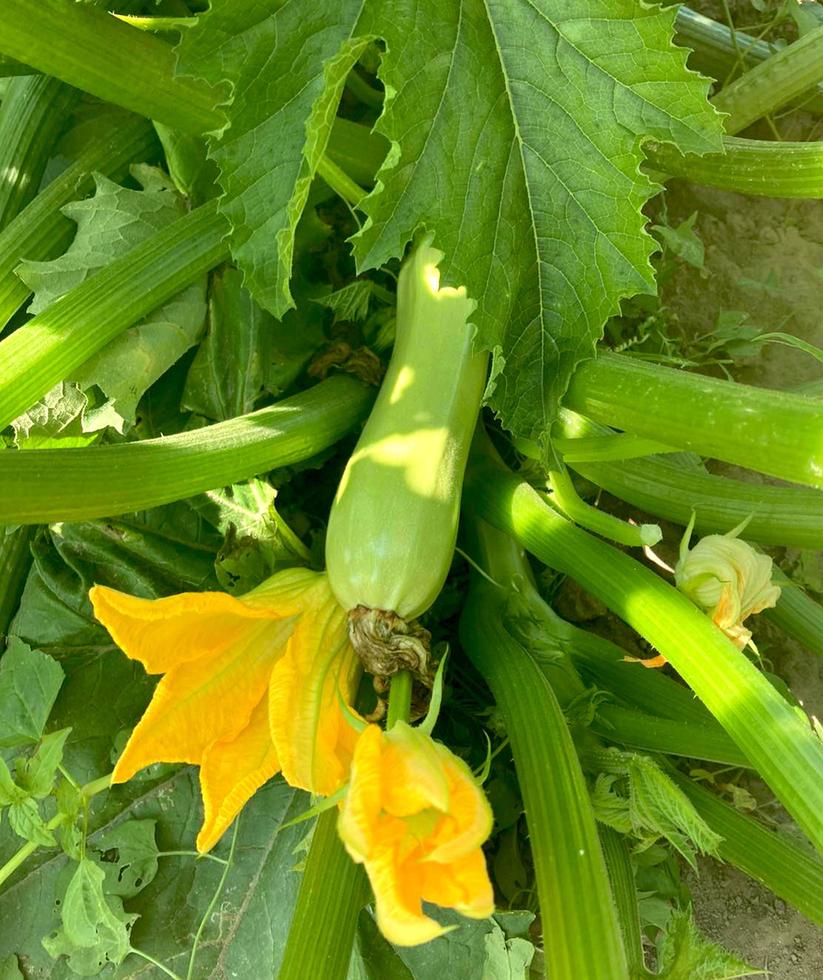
95	930
10	969
683	241
683	954
25	820
29	682
36	773
351	302
10	792
128	855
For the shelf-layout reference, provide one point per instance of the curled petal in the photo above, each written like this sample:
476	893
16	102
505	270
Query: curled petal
231	773
314	739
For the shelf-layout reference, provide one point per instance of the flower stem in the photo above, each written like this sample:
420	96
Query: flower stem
15	562
79	484
88	48
400	694
771	431
785	75
34	112
580	921
340	182
332	893
758	167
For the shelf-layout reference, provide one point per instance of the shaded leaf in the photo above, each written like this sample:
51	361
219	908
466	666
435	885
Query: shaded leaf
128	855
36	773
29	682
105	390
25	820
95	929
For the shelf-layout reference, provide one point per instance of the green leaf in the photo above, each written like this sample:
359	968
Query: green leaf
10	969
636	797
530	182
36	774
95	929
108	225
29	682
351	302
683	954
287	63
25	820
258	541
128	855
9	791
683	241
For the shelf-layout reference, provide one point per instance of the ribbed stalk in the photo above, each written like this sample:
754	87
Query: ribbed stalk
621	875
15	562
788	870
770	431
58	340
333	891
40	231
97	53
32	115
581	932
779	79
43	485
637	730
757	167
798	616
776	738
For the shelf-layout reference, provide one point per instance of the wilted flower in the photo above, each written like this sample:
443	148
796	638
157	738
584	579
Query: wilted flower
251	686
728	579
415	817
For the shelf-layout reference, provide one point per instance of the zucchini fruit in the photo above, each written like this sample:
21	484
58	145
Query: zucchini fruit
393	523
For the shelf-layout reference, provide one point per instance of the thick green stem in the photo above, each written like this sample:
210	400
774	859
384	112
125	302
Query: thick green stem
340	182
32	115
43	485
798	616
58	340
40	231
400	696
621	875
788	870
770	431
356	150
15	562
97	53
333	891
768	86
757	167
776	737
582	934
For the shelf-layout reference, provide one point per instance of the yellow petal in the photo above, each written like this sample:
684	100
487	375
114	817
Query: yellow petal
398	905
163	633
469	821
314	740
462	885
205	700
413	775
230	774
360	811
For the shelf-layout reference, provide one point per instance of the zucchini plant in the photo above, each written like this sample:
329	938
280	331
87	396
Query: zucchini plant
359	294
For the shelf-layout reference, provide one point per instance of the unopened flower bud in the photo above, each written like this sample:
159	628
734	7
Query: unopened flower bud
728	579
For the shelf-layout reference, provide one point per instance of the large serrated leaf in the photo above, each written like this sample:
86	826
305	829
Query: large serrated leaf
516	128
287	62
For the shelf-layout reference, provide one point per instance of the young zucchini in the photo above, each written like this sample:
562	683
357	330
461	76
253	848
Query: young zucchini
394	520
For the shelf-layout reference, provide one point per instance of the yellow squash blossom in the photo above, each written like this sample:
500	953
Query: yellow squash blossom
728	579
416	819
251	686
